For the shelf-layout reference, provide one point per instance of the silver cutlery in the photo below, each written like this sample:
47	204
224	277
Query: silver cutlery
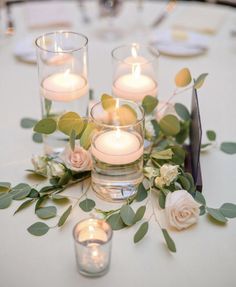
168	9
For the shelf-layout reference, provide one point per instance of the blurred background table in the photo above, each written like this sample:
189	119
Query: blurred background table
206	253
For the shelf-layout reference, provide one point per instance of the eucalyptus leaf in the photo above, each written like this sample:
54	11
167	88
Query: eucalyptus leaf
5	200
169	241
70	121
203	146
142	193
170	125
40	202
108	102
25	204
216	214
182	112
162	199
211	135
149	104
139	213
85	140
45	126
87	205
163	154
156	127
202	210
200	198
48	105
33	193
72	139
5	186
20	191
126	115
58	197
38	229
141	232
183	78
65	178
64	216
179	155
28	123
116	222
46	212
127	214
37	138
184	182
228	210
228	147
200	81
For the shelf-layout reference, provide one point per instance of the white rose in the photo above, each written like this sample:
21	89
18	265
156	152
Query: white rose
77	160
159	181
181	209
40	164
165	109
169	173
56	168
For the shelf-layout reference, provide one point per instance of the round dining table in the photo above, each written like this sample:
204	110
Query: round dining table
206	252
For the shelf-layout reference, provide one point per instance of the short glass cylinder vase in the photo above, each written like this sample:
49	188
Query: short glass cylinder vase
135	70
93	240
63	78
117	149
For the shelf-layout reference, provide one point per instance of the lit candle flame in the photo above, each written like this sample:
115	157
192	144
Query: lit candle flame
134	52
136	71
67	72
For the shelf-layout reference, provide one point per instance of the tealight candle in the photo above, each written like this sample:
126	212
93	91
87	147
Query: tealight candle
93	246
117	147
64	87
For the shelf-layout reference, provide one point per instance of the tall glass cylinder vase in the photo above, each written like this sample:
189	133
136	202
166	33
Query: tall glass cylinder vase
135	69
117	149
63	78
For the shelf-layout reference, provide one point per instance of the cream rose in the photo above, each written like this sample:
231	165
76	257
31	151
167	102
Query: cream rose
56	168
40	164
181	209
168	173
77	160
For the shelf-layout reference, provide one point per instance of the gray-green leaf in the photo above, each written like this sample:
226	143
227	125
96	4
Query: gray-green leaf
127	214
116	222
28	123
25	204
64	216
70	121
149	103
182	111
37	138
170	125
85	140
211	135
142	231
46	126
139	213
200	198
5	186
228	210
200	81
46	212
87	205
72	139
38	229
216	214
228	147
20	191
169	241
5	200
142	193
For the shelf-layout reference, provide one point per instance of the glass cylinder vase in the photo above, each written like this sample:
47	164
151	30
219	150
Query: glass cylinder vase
63	78
135	72
117	149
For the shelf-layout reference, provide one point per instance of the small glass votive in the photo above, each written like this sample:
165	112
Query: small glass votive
135	72
93	241
63	79
117	149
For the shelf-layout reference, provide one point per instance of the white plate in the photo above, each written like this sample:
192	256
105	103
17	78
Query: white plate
25	50
192	44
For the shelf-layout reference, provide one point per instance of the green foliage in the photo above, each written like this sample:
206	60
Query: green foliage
5	186
169	241
142	193
38	229
170	125
149	104
72	139
216	214
108	102
200	198
64	216
5	200
228	147
127	214
37	138
211	135
25	204
183	78
164	154
162	199
27	123
48	105
46	212
139	214
20	191
228	210
85	140
126	115
156	127
200	81
116	222
70	121
46	126
141	232
87	205
182	112
178	155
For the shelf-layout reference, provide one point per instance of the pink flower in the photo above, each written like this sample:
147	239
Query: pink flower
77	160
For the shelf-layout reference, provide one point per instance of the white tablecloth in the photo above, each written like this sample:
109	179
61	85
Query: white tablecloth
206	253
